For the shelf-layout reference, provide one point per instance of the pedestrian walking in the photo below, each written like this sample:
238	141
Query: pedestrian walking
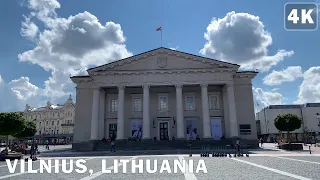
113	149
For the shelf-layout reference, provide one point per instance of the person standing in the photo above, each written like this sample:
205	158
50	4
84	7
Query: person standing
113	149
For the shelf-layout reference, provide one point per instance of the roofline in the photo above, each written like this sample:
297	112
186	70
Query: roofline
166	49
80	77
252	72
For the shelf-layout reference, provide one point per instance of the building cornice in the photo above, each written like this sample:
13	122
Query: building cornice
162	71
167	52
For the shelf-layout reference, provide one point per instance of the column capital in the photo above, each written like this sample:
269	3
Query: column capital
229	85
121	87
96	87
145	86
204	85
179	85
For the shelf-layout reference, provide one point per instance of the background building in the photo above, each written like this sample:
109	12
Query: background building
308	113
53	121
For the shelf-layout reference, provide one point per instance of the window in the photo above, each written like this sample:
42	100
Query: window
52	122
189	103
57	131
136	104
163	103
114	105
213	102
245	129
58	123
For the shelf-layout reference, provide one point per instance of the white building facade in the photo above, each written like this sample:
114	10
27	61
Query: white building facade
53	121
307	112
163	94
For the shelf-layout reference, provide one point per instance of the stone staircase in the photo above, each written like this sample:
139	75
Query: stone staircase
170	145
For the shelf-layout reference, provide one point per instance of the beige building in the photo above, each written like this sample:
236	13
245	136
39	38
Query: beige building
164	93
53	121
307	112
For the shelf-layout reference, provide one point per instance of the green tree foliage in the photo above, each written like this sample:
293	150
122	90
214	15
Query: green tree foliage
287	122
11	124
29	130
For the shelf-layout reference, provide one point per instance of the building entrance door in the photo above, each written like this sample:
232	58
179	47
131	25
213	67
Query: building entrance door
112	131
163	130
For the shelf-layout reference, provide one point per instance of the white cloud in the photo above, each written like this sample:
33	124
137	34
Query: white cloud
241	38
29	29
309	91
68	46
175	48
265	98
287	75
23	88
17	93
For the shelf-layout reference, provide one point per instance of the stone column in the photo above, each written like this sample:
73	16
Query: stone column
205	111
95	114
232	111
120	120
179	106
102	113
146	113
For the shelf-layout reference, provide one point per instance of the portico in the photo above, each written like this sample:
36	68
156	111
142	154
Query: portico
194	95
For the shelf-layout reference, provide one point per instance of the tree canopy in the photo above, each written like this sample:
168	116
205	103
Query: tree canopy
29	130
11	123
287	122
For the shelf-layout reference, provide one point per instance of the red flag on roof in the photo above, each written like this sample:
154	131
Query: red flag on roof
159	29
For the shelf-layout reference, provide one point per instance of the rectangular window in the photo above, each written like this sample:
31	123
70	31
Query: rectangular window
189	103
245	129
213	102
163	103
114	105
136	104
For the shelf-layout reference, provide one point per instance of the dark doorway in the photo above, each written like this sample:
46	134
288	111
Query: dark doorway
163	129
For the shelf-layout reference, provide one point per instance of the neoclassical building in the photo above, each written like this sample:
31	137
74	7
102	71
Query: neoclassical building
53	121
164	93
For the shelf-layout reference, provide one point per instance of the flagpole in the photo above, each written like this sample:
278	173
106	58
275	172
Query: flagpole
161	36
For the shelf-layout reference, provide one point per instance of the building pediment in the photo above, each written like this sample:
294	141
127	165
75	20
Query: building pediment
163	59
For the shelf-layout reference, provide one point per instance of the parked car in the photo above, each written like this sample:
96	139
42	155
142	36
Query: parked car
2	146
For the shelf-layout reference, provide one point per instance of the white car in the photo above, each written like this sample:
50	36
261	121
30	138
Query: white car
2	146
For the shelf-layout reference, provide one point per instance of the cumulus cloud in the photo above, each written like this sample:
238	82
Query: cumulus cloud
289	74
68	46
241	38
265	98
17	93
309	91
29	29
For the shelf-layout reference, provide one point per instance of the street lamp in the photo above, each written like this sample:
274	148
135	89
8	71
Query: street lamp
33	147
315	139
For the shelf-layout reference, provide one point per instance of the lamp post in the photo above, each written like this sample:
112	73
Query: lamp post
315	139
33	147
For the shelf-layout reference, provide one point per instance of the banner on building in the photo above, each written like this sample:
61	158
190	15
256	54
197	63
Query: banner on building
216	129
136	126
192	131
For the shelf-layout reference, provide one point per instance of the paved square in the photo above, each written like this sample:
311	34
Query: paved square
257	166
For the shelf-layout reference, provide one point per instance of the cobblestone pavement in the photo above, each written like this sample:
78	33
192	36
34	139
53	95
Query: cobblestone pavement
256	166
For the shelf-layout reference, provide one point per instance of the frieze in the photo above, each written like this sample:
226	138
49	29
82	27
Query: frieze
163	79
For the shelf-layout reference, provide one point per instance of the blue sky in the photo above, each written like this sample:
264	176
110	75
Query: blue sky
39	51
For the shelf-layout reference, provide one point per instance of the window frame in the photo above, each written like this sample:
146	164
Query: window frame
186	96
167	102
216	95
136	96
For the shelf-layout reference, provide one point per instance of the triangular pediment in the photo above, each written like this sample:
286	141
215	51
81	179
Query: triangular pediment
163	59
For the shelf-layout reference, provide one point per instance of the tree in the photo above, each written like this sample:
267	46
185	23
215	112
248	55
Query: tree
29	130
287	123
11	124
